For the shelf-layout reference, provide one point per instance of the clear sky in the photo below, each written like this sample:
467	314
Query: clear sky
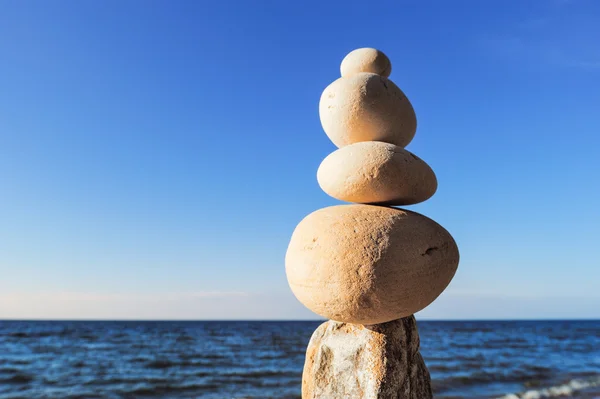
155	156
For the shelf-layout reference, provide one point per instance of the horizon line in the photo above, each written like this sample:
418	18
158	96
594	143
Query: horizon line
287	320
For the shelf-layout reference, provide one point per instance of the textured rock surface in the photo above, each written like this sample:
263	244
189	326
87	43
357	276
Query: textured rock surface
346	361
376	172
366	107
369	264
366	60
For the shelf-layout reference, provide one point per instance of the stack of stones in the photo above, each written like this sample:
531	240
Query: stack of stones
367	266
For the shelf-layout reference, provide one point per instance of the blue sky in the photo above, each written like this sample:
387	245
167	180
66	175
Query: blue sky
156	156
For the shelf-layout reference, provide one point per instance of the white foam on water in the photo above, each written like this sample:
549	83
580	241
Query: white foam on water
552	392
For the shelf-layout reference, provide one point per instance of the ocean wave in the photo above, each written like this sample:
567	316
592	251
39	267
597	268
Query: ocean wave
161	364
524	374
558	390
20	378
161	390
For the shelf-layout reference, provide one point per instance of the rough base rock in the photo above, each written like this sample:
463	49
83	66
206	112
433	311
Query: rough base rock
350	361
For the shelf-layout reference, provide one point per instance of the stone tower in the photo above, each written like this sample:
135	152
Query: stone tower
367	266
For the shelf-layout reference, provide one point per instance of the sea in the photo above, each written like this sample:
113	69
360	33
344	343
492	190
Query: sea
254	359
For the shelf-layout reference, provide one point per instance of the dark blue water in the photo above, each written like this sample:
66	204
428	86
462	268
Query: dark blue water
225	360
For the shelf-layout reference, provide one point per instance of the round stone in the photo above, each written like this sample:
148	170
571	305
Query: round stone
366	60
372	172
366	107
367	264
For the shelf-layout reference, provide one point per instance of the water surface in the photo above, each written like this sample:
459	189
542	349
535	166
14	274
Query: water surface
225	360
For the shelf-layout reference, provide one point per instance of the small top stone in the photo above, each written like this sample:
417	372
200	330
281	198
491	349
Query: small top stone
366	60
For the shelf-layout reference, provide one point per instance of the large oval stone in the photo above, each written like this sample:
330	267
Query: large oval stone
366	107
377	173
368	264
